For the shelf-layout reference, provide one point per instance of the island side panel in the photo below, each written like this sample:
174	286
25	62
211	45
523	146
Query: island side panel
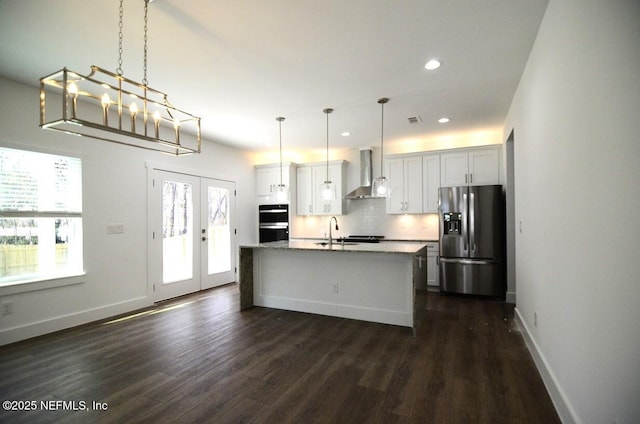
373	286
246	278
419	273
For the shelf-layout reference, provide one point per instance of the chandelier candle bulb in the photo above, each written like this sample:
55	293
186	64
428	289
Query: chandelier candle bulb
106	101
133	109
156	123
72	89
176	125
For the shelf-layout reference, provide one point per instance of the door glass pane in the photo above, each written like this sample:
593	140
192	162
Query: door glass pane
219	231
177	231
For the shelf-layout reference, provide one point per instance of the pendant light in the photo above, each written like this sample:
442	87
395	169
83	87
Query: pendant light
328	189
282	192
381	184
108	106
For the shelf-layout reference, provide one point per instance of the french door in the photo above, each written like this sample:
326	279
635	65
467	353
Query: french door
192	233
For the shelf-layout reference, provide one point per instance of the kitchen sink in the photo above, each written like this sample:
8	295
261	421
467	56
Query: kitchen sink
336	243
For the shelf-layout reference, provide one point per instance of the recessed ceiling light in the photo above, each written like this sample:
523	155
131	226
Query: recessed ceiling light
345	134
444	120
432	64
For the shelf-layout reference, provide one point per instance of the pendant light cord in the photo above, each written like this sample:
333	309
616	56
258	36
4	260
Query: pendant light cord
382	101
280	119
382	139
327	111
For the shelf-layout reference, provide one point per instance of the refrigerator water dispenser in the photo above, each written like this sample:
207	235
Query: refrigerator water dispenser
452	223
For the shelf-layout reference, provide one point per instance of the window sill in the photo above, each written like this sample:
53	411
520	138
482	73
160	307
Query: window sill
35	285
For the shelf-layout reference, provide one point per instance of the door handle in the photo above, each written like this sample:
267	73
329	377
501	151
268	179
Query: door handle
472	213
464	222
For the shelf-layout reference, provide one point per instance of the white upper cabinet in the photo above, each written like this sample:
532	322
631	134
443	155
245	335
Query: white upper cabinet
268	177
470	167
405	183
309	188
430	183
484	167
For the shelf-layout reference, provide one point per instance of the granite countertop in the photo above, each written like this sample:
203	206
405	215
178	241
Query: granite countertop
394	247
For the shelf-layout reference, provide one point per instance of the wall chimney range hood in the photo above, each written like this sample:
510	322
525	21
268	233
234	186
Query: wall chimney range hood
366	177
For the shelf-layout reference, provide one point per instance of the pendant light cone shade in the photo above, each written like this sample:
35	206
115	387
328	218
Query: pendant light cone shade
328	189
282	191
380	186
107	106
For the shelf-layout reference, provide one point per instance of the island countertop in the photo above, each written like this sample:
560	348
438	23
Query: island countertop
412	248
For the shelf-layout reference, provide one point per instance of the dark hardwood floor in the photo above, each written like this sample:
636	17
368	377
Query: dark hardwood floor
197	359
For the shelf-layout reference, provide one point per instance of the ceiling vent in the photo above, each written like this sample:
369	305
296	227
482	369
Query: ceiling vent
414	119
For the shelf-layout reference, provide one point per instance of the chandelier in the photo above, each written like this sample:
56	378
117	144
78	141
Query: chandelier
109	107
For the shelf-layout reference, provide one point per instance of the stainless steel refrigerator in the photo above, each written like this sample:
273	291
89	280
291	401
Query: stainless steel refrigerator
472	240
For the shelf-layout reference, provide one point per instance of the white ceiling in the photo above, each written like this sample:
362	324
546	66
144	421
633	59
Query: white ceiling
239	63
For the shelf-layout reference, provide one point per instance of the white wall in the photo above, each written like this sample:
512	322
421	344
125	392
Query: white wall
114	191
577	190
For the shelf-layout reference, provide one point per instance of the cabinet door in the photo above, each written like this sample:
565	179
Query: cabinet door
433	273
454	169
335	206
413	185
484	167
304	201
430	183
320	205
265	180
395	173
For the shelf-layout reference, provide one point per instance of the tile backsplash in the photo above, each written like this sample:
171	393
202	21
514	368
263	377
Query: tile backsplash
368	217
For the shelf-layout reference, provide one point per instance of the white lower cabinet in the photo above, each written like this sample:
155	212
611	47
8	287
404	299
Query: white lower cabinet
433	265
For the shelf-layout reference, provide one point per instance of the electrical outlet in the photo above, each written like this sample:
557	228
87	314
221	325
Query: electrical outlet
535	319
334	288
7	308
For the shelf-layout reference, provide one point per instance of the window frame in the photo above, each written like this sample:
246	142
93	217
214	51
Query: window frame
52	281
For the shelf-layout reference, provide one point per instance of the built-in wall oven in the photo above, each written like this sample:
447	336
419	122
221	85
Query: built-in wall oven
273	222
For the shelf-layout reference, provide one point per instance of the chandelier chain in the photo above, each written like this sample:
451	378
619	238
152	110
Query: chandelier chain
146	20
120	25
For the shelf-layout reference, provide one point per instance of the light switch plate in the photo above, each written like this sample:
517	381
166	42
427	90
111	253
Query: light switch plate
115	228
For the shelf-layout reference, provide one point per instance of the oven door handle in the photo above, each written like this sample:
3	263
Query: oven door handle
273	227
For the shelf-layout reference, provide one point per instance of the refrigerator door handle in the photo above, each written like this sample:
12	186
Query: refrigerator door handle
465	227
466	261
472	226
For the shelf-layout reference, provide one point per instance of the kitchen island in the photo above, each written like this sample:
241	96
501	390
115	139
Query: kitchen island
371	282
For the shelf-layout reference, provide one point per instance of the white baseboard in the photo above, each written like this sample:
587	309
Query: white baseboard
566	413
34	329
362	313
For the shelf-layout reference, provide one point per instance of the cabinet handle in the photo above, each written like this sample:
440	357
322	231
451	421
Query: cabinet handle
465	178
471	178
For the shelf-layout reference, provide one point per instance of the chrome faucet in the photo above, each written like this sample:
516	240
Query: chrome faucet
333	218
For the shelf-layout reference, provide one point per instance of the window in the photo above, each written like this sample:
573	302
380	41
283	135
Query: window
40	216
